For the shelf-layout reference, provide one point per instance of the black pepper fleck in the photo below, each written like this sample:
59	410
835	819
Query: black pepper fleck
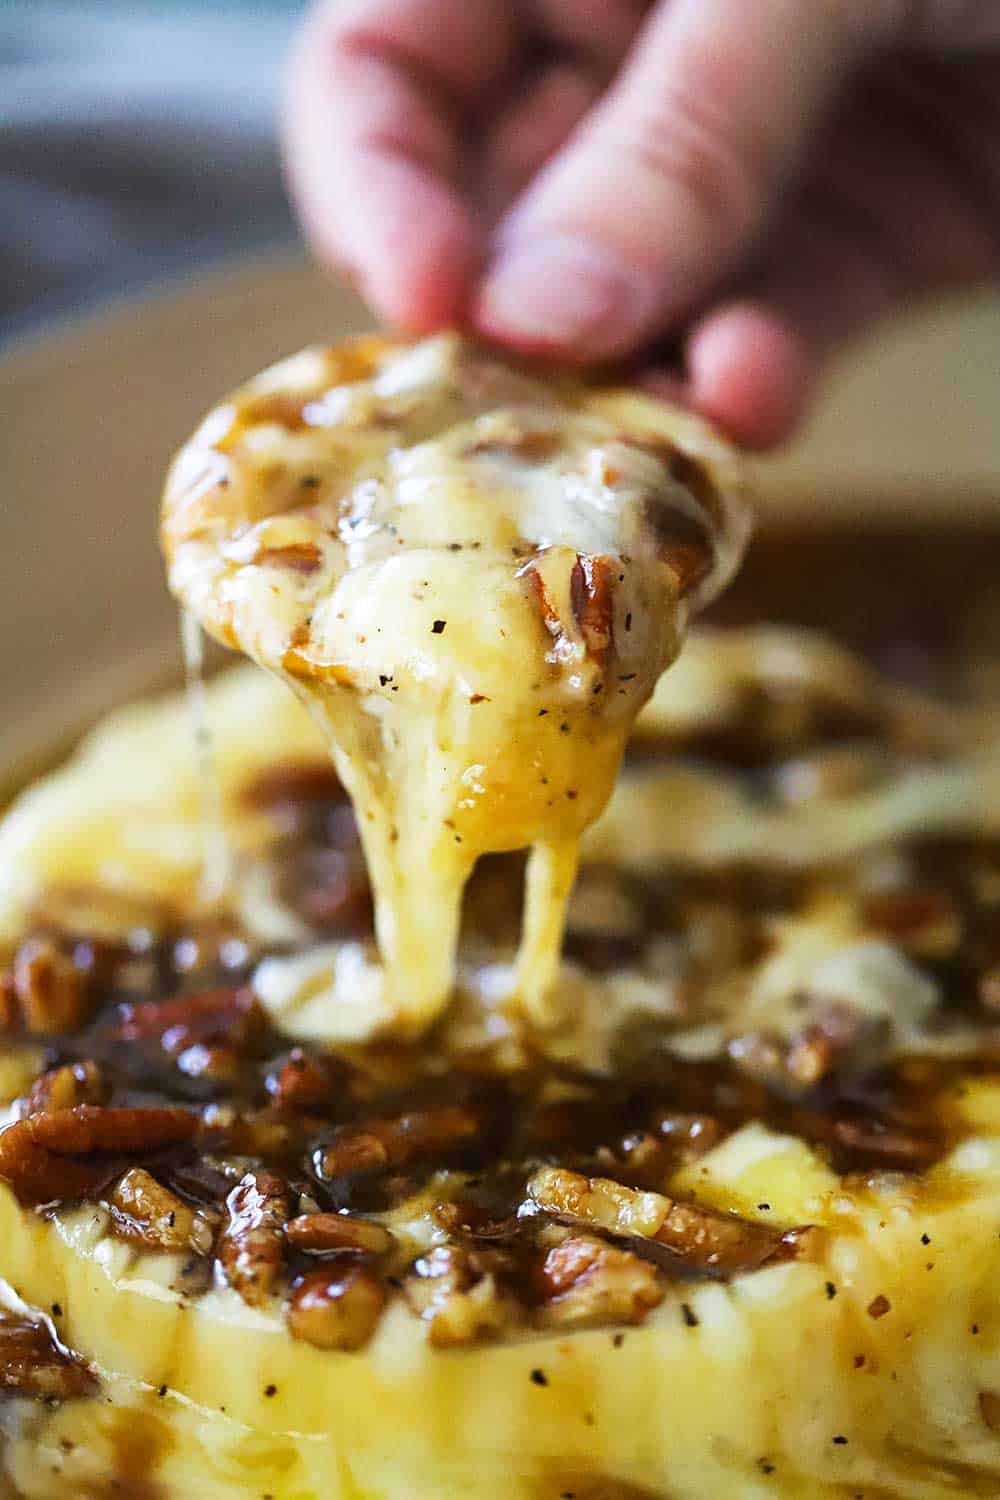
840	1440
618	1340
925	1239
270	1390
57	1309
689	1315
539	1377
831	1291
438	627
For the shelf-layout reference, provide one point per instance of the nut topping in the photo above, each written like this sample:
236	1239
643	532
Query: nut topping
68	1154
457	1294
336	1307
147	1214
704	1240
330	1232
392	1143
584	1283
49	992
252	1247
34	1364
66	1087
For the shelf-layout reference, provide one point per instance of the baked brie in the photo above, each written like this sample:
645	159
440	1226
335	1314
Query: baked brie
714	1211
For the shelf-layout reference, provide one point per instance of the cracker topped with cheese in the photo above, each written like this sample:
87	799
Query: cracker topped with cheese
474	576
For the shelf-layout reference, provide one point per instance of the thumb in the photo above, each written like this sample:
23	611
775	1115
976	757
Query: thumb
666	185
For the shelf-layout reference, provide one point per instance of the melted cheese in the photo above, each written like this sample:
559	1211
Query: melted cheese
473	578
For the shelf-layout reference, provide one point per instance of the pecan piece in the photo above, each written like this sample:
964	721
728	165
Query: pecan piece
214	1063
252	1247
147	1214
227	1016
335	1307
884	1144
328	1232
302	1084
591	591
584	1283
687	1136
393	1142
456	1293
699	1238
51	993
50	1157
66	1087
683	542
574	593
34	1364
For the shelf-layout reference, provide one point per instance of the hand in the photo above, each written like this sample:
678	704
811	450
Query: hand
745	183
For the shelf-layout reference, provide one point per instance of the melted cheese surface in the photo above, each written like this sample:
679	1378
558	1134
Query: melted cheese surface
473	577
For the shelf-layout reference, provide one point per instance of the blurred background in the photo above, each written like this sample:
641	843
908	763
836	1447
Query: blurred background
135	140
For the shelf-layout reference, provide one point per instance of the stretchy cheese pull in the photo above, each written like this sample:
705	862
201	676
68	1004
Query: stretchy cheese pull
474	577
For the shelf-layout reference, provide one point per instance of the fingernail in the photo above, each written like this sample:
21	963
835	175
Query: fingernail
561	293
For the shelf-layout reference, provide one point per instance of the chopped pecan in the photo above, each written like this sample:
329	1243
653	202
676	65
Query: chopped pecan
328	1232
146	1213
252	1246
336	1306
683	542
229	1016
574	593
469	1221
837	1036
592	599
393	1142
302	1084
34	1364
687	1136
884	1143
685	468
51	993
638	1157
458	1296
213	1062
701	1239
51	1157
584	1283
66	1087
